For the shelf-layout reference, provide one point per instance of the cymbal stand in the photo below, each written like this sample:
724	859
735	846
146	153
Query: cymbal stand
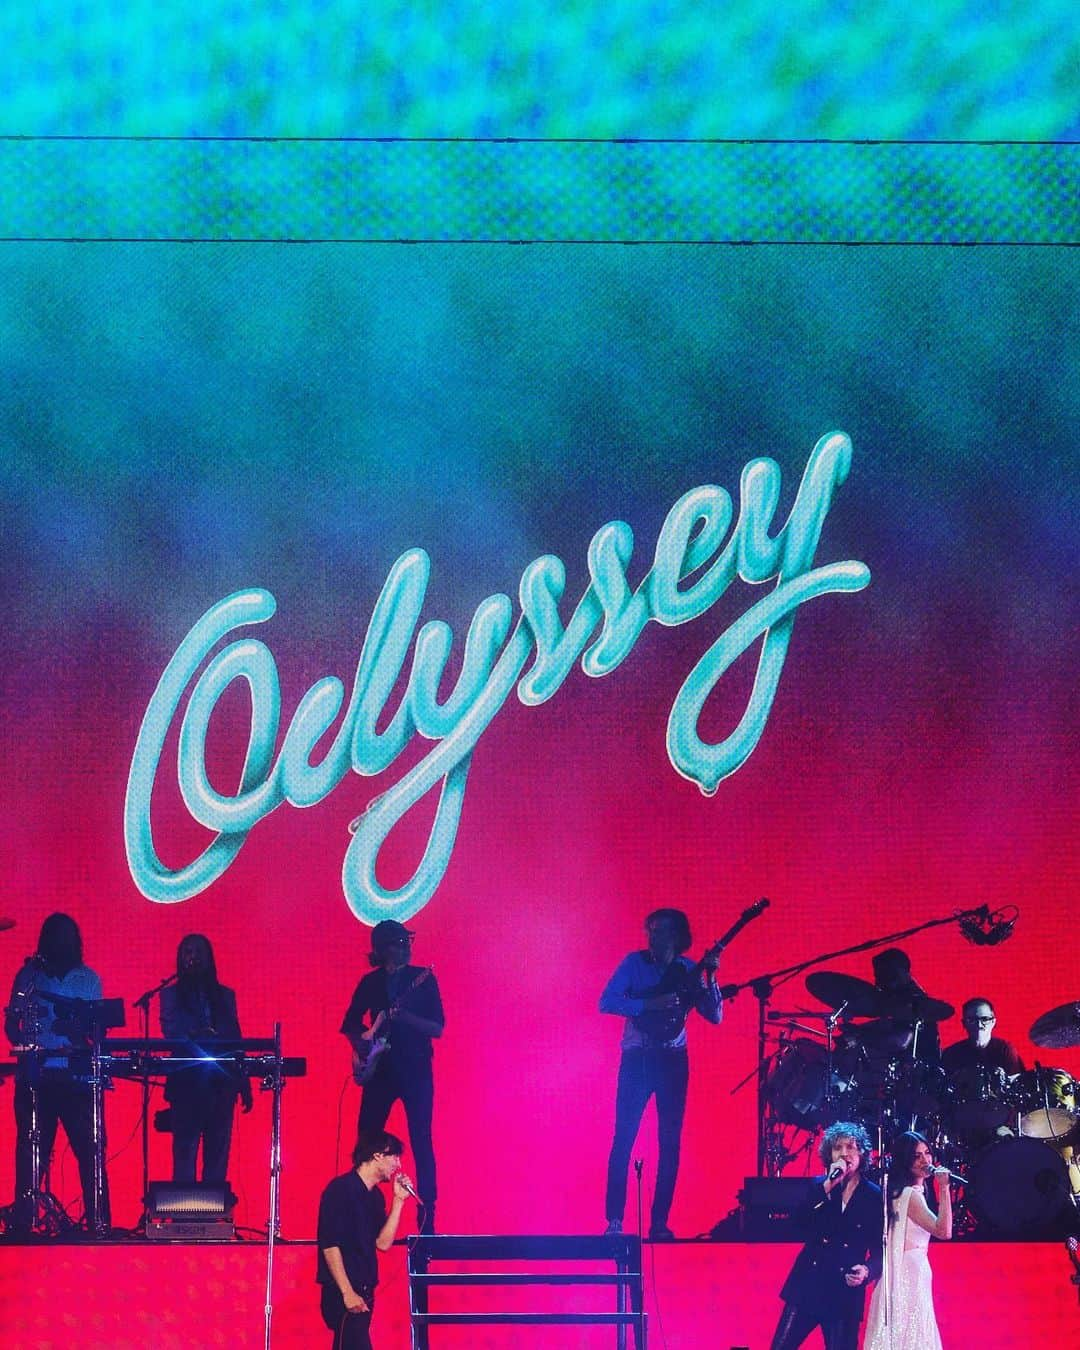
772	1149
47	1215
886	1274
831	1023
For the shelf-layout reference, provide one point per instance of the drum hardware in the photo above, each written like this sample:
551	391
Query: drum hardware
89	1020
78	1020
791	1025
812	1015
37	1209
979	1097
846	994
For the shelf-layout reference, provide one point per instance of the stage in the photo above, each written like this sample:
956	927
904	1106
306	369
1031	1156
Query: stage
137	1295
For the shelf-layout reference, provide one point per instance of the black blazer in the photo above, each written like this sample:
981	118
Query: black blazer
836	1240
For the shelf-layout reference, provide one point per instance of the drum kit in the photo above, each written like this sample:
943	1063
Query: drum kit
1014	1137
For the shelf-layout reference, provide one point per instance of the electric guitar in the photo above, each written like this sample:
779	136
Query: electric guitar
664	1024
372	1046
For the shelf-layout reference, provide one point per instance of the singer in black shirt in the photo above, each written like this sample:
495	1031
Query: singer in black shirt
354	1224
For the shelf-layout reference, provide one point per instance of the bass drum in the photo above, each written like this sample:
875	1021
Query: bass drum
1018	1186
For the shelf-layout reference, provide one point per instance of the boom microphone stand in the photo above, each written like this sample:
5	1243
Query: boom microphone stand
762	987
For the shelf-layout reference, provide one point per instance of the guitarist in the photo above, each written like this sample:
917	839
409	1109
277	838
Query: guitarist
407	997
654	990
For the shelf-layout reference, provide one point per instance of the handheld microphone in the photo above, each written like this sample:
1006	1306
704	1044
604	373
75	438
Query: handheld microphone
404	1181
836	1171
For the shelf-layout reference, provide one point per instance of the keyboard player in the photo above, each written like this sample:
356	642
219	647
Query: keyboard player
202	1098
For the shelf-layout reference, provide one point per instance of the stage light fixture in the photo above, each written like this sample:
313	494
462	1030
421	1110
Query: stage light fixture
194	1211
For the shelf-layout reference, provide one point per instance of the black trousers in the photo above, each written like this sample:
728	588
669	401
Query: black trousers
665	1074
352	1331
839	1329
414	1087
206	1118
60	1101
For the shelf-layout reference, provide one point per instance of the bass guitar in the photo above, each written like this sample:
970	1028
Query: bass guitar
658	1025
371	1046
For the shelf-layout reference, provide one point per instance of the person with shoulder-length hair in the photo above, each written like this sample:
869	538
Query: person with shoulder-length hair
654	990
842	1254
199	1009
56	968
902	1308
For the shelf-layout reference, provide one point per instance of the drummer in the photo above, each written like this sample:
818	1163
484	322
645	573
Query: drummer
980	1107
980	1048
909	1013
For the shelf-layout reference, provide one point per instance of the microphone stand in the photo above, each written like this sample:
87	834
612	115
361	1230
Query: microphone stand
886	1274
143	1004
638	1164
762	987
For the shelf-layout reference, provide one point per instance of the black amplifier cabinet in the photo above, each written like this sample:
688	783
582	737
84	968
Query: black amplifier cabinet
767	1206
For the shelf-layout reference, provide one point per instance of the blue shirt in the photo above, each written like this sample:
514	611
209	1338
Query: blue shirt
634	978
33	986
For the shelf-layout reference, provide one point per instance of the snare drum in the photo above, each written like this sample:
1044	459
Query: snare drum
1046	1103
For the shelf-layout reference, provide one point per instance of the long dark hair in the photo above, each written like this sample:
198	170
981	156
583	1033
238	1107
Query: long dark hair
60	945
902	1172
190	985
681	924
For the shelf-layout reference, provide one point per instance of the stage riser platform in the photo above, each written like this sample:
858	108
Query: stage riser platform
146	1296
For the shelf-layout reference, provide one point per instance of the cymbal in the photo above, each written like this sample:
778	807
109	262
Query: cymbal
1058	1028
855	996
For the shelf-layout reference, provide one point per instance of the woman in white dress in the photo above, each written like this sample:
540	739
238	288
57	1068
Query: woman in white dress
906	1292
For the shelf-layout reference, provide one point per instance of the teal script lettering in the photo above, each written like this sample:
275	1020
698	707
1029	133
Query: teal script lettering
698	554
